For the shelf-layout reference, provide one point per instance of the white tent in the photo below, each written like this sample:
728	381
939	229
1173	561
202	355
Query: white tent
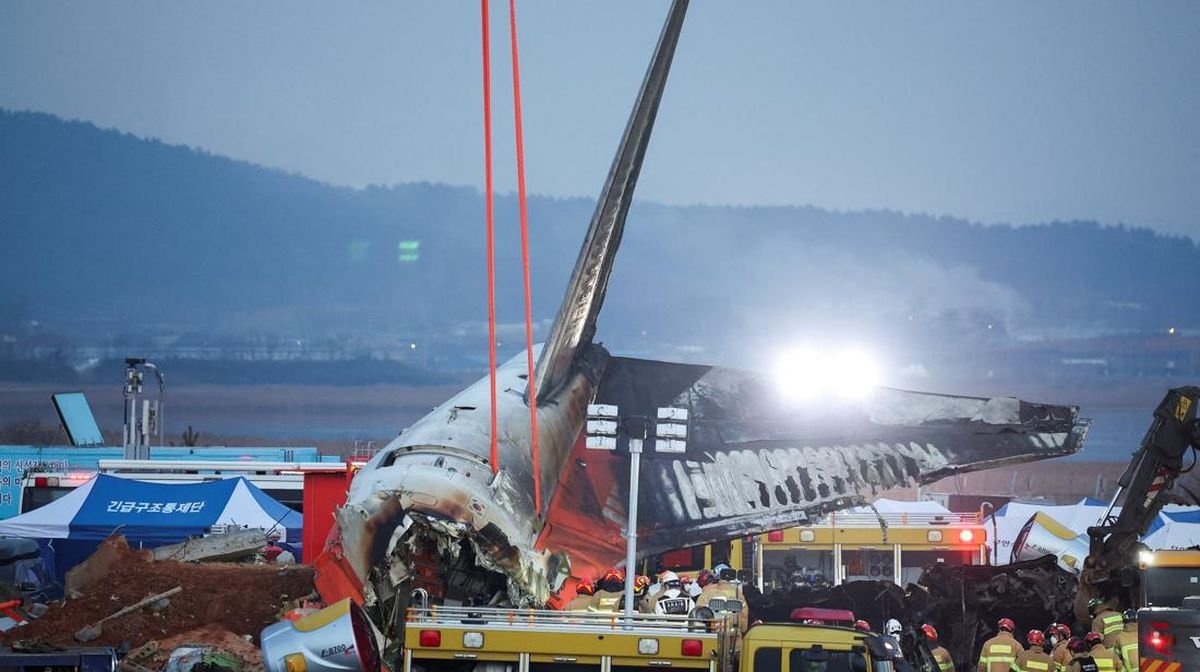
1011	517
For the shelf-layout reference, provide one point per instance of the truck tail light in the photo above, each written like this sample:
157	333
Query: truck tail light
691	647
431	638
1161	640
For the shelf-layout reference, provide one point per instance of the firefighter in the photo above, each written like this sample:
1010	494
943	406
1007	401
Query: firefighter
641	586
1081	659
718	584
610	592
1106	660
1035	658
999	654
671	599
1127	641
940	655
584	591
1106	621
1061	654
893	629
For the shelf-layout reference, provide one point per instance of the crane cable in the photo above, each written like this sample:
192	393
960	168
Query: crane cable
491	233
532	391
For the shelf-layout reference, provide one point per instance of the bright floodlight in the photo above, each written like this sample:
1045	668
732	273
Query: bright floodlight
809	374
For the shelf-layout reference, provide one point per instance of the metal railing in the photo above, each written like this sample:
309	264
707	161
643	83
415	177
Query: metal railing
572	621
898	519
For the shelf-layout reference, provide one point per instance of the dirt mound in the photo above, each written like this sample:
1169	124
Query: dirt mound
240	598
213	636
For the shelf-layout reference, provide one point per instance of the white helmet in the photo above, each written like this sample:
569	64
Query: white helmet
669	579
892	627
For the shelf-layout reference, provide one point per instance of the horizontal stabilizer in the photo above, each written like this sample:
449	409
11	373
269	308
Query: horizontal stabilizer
755	461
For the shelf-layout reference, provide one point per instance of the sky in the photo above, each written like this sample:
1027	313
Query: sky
1010	111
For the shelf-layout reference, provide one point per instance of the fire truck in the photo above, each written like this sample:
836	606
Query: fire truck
466	639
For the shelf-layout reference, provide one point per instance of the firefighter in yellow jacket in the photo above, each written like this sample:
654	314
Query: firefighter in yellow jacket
940	655
1060	653
610	592
1106	621
1106	660
999	654
1127	642
584	591
1035	658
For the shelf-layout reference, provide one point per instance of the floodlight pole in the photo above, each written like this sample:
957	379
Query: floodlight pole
635	464
603	426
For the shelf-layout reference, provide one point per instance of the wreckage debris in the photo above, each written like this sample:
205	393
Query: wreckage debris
962	602
965	602
238	599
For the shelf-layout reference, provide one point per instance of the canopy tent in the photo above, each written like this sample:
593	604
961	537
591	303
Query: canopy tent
1175	526
1010	518
148	515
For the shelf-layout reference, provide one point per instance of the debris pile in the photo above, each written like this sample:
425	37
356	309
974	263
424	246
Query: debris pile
962	602
218	607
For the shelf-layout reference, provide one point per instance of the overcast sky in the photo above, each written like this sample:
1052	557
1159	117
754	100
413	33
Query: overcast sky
1013	111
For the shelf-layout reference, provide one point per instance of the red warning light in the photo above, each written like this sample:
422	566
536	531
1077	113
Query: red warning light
966	536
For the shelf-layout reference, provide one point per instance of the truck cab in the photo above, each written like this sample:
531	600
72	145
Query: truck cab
794	647
1169	620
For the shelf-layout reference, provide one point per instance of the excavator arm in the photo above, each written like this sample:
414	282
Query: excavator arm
1109	570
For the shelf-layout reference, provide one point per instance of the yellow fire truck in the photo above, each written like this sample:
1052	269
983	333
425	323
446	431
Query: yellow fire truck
475	639
444	638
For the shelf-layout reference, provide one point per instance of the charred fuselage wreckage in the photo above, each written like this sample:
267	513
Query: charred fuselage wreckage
430	510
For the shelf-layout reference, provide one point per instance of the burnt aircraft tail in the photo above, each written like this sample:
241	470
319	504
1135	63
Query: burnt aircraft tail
756	462
575	323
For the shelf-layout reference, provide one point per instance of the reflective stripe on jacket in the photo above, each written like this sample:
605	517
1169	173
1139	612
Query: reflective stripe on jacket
1127	643
999	654
1035	661
944	662
1106	661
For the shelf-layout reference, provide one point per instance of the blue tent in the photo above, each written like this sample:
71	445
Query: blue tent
148	515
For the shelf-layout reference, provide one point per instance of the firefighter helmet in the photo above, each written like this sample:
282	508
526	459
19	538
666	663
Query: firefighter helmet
1077	645
862	625
1093	638
641	583
1006	624
930	632
585	587
669	580
1094	604
1036	638
613	580
1130	615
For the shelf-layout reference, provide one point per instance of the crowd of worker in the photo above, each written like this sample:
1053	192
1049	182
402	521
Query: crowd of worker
671	594
1110	646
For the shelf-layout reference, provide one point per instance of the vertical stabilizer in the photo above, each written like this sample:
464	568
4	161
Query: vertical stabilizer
575	323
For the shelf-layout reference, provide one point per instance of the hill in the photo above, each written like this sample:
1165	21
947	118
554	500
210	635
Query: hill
107	235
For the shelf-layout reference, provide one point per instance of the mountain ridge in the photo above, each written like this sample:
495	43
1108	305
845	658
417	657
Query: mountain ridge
108	233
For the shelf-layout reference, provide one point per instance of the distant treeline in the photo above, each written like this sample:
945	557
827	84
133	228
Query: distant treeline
358	371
